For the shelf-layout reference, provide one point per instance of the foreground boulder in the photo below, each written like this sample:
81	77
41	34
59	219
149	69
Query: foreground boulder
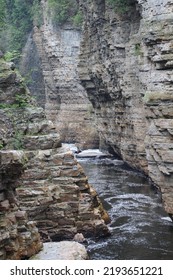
64	250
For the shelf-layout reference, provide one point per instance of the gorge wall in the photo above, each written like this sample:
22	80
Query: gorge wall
41	183
19	237
50	58
126	63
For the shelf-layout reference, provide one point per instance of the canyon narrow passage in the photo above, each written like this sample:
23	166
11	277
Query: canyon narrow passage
140	228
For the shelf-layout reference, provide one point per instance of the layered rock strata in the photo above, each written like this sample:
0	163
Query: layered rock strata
53	52
53	188
19	237
126	68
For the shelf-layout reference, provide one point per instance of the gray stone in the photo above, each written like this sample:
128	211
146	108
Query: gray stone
64	250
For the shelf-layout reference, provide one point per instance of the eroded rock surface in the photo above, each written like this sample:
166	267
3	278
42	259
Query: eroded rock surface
126	68
53	53
19	237
51	186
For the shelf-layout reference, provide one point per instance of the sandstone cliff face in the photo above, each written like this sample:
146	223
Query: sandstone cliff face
53	53
38	177
126	68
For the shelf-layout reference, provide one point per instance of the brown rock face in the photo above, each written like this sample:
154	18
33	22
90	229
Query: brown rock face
51	186
126	68
19	237
53	52
55	192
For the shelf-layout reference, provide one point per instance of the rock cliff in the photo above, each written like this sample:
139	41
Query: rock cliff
38	177
126	63
19	237
50	57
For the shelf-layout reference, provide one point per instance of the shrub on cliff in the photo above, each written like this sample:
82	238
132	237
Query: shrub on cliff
121	6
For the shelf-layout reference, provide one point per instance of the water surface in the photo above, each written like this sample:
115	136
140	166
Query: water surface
140	228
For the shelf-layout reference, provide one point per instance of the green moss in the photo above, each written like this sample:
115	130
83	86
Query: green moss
137	50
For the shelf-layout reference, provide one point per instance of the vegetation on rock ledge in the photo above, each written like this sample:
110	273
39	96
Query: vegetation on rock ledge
63	11
121	6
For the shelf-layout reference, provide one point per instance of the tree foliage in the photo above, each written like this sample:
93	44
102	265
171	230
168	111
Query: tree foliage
20	23
17	18
63	10
2	12
16	21
121	6
36	13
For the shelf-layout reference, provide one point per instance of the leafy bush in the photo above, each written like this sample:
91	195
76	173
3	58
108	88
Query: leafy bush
21	101
11	56
78	19
121	6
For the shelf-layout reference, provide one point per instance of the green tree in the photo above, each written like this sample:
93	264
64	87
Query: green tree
16	21
20	23
36	13
63	10
2	12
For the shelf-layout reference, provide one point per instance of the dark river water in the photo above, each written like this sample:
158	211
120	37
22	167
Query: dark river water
140	228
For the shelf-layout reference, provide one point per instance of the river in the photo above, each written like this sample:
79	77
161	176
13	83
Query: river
140	228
